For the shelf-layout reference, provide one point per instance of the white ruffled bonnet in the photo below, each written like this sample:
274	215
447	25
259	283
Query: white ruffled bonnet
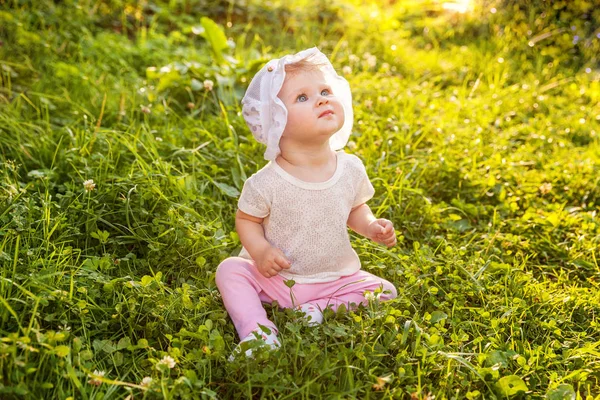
266	114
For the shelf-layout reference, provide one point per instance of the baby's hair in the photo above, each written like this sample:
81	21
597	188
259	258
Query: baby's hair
304	65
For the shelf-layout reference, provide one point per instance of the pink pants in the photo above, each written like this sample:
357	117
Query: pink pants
243	290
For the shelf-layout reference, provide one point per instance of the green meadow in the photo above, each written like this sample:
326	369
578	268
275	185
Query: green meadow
123	152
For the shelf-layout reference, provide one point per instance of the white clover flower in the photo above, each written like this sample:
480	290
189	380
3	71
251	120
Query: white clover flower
353	58
89	185
372	61
370	296
146	382
347	70
168	361
96	377
208	85
545	188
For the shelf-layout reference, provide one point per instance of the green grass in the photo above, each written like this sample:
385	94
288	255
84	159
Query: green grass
483	150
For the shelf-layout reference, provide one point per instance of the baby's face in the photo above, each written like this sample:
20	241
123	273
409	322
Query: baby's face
314	111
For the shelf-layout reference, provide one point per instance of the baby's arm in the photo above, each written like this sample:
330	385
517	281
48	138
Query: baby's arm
360	218
251	233
362	221
269	260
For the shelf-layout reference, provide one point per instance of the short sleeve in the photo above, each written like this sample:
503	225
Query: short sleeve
364	189
252	201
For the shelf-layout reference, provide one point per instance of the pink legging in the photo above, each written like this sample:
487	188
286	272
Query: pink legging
243	290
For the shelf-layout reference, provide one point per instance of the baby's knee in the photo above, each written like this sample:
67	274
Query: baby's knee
228	268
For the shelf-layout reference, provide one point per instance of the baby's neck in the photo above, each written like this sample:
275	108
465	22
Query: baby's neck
309	168
307	159
304	155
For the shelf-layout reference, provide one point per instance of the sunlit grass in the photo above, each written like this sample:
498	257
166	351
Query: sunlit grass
120	166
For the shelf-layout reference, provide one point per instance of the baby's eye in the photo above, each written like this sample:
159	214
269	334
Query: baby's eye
326	91
302	96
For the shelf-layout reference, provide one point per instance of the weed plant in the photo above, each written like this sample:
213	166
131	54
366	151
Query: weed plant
123	152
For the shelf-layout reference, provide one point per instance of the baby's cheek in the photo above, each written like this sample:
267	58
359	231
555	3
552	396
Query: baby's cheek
292	123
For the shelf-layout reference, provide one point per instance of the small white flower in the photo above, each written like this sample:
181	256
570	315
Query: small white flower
146	109
372	61
347	70
22	345
545	188
146	382
368	103
158	139
208	85
370	296
353	58
168	361
96	378
89	185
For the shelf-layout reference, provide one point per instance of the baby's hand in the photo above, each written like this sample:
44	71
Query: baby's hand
271	261
382	231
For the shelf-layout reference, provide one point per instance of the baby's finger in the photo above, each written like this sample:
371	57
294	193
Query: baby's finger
390	242
282	262
275	267
386	237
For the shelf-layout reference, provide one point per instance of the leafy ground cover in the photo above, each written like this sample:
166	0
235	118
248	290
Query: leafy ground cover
123	150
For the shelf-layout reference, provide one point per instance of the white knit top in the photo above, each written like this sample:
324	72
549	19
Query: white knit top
306	220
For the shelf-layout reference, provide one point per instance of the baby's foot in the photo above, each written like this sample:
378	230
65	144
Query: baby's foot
312	313
268	339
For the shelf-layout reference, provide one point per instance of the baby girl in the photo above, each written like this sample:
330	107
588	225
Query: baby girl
293	214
